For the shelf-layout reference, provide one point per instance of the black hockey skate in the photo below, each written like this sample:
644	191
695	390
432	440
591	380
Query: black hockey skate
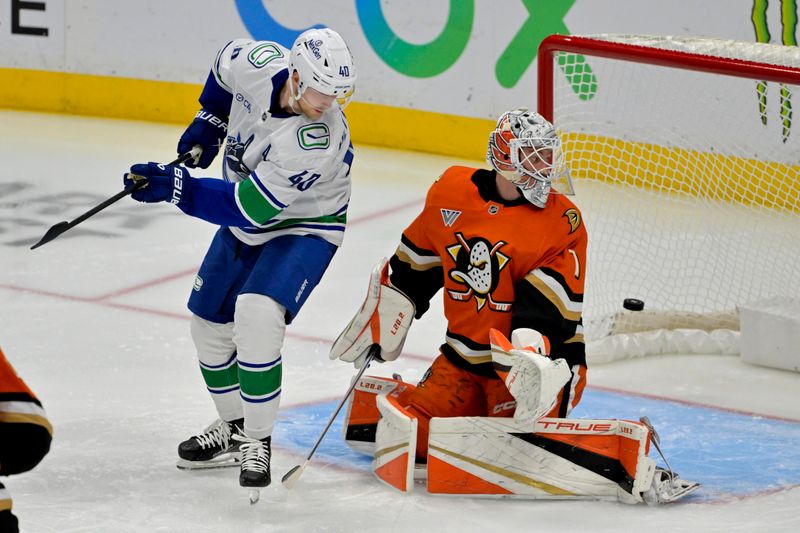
214	448
255	471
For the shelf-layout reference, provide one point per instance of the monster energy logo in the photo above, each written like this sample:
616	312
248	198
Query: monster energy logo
788	38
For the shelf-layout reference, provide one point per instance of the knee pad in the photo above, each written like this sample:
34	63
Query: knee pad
395	444
259	324
213	341
362	415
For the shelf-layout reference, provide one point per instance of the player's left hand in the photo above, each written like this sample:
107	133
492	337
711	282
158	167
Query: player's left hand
165	183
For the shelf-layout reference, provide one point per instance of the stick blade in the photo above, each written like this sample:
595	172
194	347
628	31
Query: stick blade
52	233
290	478
653	434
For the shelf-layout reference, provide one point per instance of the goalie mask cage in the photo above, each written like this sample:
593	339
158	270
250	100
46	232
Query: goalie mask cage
685	158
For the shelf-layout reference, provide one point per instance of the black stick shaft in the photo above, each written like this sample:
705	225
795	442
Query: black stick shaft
373	351
62	227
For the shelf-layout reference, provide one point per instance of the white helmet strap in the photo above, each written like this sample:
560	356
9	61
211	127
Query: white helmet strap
294	97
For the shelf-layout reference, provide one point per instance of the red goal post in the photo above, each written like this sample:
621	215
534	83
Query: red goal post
624	51
686	164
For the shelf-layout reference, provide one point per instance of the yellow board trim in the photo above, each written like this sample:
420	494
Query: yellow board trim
706	175
172	102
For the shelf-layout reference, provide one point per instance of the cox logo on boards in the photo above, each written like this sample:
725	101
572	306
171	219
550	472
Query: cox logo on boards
437	56
20	26
544	17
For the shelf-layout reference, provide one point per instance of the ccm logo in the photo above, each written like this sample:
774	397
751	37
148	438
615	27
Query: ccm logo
507	406
177	186
576	426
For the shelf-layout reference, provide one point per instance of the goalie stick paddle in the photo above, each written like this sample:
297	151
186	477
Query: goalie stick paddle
289	479
61	227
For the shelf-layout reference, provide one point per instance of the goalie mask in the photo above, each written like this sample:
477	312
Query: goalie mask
325	65
525	150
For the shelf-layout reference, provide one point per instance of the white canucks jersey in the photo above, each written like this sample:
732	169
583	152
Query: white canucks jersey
291	172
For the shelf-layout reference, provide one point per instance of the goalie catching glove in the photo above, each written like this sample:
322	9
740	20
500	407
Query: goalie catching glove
532	378
383	319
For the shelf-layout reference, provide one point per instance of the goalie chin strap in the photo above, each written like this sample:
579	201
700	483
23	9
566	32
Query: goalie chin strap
291	477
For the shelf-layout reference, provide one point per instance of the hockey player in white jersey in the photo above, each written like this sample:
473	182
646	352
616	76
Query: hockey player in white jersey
282	209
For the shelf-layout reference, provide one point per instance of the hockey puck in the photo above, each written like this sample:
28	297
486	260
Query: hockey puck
632	304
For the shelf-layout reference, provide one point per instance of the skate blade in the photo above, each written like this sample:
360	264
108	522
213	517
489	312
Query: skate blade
684	489
223	461
254	494
674	492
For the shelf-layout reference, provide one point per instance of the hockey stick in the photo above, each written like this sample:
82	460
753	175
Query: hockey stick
61	227
289	479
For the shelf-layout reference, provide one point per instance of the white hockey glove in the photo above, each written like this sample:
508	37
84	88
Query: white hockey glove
533	379
384	319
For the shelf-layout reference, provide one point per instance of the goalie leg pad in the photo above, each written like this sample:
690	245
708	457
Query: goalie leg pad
554	458
395	443
362	415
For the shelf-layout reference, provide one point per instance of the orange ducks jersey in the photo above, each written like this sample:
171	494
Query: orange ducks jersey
18	404
502	265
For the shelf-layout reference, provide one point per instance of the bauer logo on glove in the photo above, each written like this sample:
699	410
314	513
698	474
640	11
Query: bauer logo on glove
163	183
532	378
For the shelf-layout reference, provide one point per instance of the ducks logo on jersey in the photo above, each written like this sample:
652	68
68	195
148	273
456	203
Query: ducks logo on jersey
478	266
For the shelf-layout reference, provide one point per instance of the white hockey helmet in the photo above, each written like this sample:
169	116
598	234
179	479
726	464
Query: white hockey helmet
324	63
525	149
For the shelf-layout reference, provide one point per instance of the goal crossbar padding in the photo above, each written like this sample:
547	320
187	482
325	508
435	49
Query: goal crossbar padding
395	445
553	458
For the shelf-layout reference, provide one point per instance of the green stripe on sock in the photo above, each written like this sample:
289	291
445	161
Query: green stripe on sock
255	206
259	383
217	379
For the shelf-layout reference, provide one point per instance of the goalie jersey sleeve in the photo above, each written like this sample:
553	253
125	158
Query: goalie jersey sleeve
25	431
502	265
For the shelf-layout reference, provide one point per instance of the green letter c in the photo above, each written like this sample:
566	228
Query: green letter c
418	60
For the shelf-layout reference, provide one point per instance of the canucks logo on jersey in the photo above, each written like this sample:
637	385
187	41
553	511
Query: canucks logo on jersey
234	156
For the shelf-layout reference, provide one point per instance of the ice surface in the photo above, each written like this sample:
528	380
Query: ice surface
95	321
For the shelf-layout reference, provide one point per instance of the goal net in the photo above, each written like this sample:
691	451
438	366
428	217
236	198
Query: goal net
685	157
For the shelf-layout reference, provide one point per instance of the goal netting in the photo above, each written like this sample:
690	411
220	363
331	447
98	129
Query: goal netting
685	157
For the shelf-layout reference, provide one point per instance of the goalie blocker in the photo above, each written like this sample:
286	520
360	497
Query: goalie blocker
552	458
383	319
